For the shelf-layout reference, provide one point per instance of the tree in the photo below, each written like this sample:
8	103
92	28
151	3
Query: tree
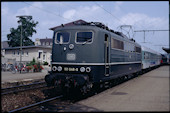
28	28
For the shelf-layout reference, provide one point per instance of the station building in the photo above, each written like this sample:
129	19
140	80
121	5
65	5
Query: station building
41	52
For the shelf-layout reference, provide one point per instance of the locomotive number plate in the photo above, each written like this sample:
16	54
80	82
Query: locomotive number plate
71	56
70	69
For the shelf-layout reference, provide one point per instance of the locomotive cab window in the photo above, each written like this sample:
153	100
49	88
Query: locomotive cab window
138	49
62	37
84	37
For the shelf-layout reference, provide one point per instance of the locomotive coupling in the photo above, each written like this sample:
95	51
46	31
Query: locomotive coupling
49	79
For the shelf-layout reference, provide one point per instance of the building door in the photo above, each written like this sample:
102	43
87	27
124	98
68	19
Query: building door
40	57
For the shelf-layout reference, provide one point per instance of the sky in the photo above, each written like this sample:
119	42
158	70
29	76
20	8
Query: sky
140	15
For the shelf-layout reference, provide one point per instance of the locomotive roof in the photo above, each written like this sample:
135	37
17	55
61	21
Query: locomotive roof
70	24
149	50
96	26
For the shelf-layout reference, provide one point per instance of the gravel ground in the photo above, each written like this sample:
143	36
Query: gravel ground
13	101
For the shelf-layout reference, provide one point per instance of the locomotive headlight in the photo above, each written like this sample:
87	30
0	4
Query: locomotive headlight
71	46
82	69
88	69
59	68
54	68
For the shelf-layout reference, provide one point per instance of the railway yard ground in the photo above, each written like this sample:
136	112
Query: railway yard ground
148	92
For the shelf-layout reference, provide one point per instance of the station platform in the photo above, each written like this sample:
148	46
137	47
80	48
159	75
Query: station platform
148	92
18	78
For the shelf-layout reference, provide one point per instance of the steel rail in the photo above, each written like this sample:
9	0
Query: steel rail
27	87
22	85
35	104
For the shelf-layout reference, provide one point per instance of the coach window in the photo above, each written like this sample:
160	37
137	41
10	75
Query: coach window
84	37
62	37
117	44
146	56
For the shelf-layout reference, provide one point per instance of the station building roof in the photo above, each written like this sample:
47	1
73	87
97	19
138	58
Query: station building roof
26	47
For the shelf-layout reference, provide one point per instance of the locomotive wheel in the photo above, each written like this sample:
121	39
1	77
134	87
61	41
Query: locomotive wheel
84	90
96	87
65	91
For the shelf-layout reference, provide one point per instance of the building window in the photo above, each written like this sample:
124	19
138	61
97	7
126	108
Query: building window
18	53
47	43
13	53
117	44
27	53
43	56
22	53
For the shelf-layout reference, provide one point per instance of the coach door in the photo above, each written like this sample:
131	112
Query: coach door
106	52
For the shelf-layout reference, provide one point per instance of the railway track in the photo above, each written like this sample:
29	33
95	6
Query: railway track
38	105
21	88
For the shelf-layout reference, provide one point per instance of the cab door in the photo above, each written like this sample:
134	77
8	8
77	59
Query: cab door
106	55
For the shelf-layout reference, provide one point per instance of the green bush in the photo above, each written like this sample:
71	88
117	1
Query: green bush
33	62
45	63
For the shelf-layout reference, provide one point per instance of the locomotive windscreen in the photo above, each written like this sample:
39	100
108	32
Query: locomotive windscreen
62	37
84	37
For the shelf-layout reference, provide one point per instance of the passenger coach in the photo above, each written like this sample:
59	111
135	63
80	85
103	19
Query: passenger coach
150	58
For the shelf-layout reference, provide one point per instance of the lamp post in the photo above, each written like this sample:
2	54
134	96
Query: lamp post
21	41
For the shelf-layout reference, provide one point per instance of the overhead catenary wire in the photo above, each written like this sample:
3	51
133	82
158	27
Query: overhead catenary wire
148	31
62	16
48	11
108	12
117	19
136	23
80	13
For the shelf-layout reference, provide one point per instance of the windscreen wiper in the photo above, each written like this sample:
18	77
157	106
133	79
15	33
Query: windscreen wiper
87	41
